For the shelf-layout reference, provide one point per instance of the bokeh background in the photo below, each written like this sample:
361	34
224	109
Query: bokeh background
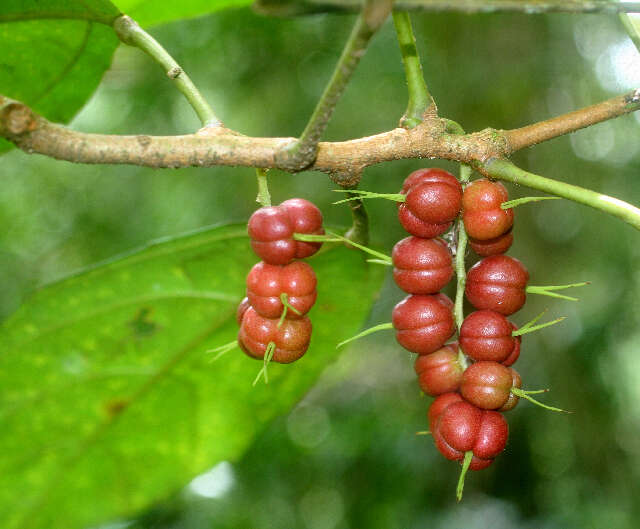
347	456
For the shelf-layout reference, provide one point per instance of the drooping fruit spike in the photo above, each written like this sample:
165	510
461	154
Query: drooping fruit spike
486	335
271	230
439	404
481	213
423	323
495	246
462	427
421	266
434	198
266	283
291	338
439	372
497	283
242	308
488	385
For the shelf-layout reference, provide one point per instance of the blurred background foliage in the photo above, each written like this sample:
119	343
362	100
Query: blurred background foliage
347	456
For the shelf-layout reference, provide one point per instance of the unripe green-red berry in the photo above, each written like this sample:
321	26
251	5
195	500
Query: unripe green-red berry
495	246
487	335
291	338
481	213
497	283
433	200
462	427
439	372
421	266
423	323
266	282
487	385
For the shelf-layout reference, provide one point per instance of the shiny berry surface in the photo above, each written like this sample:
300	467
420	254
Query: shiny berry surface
440	371
418	227
487	385
305	218
423	323
433	195
439	404
496	246
242	308
497	283
421	266
291	338
265	284
486	335
481	213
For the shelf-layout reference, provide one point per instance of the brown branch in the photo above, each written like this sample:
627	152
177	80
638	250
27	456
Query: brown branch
343	160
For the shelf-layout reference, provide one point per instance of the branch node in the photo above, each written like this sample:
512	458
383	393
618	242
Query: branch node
125	26
16	119
174	72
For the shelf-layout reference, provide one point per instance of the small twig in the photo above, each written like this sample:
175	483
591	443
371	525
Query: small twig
131	33
264	197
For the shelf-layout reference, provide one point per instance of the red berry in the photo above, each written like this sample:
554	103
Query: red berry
242	308
271	230
461	427
492	246
515	354
497	283
291	338
487	385
266	282
483	219
439	404
423	323
421	266
486	335
433	200
439	372
306	218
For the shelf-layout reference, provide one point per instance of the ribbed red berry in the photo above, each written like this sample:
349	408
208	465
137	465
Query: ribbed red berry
291	338
461	427
271	230
439	404
423	323
497	283
434	199
481	213
515	354
486	335
421	266
266	282
242	308
487	385
439	372
492	246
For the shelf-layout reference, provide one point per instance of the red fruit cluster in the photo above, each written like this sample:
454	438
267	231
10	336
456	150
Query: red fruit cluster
278	276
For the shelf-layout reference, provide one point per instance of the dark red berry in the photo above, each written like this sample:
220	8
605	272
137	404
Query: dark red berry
439	372
291	338
461	427
486	335
423	323
487	385
492	246
497	283
266	282
242	308
515	354
483	219
271	230
434	199
439	404
421	266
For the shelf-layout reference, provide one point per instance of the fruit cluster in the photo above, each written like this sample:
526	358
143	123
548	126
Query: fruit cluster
280	289
471	378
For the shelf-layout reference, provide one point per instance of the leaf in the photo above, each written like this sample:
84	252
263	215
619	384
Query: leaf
151	12
109	401
54	53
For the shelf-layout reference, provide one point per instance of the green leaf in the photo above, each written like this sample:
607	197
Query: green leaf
109	401
151	12
54	53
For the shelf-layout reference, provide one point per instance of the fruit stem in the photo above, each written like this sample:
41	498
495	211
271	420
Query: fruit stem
524	200
359	231
505	170
461	250
222	349
268	355
129	32
532	328
468	456
285	302
419	97
264	197
370	330
525	395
